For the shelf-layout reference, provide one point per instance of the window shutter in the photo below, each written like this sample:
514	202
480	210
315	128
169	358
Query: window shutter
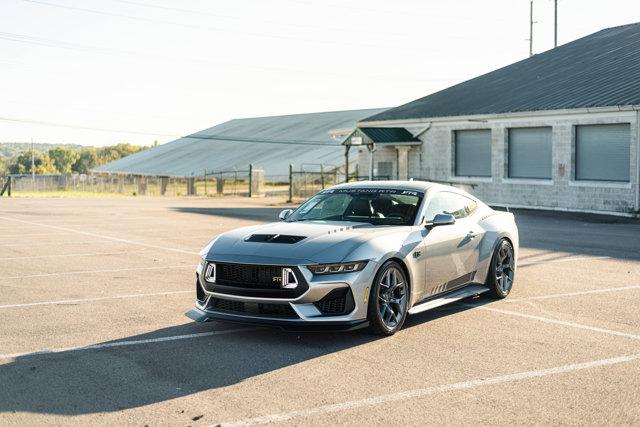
603	152
473	152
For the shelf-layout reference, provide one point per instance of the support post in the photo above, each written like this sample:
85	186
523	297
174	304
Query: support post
371	148
322	176
346	162
290	183
250	178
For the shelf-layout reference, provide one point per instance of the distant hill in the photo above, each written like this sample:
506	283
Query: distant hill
12	149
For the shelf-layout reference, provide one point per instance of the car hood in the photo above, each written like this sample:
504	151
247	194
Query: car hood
322	242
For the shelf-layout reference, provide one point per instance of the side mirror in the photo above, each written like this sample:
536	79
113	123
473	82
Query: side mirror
285	214
441	219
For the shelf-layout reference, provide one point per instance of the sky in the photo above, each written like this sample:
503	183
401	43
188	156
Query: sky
100	72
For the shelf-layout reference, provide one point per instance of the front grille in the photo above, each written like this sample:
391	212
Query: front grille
256	309
246	275
254	280
337	302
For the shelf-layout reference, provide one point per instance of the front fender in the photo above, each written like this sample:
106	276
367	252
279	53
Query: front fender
388	247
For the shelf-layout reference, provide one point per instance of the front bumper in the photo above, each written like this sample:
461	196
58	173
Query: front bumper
330	302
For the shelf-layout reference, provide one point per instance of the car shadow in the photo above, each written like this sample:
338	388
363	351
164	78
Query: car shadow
249	214
578	234
88	381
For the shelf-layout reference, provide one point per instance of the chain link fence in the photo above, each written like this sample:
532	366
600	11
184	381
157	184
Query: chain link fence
301	183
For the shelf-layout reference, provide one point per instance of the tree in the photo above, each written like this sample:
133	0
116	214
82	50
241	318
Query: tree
87	160
42	162
64	158
4	166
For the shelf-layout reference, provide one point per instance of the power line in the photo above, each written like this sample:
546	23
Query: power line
218	137
208	28
38	41
265	21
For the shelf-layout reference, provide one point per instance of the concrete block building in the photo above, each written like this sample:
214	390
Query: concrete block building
559	130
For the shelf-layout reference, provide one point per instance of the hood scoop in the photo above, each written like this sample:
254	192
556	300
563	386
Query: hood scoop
274	238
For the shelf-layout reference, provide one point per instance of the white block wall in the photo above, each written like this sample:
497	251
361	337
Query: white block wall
435	161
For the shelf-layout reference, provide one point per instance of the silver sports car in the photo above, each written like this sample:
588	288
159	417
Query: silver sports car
359	254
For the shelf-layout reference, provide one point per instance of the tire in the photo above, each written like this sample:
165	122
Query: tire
502	270
387	311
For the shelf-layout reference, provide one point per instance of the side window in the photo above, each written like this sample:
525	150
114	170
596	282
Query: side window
450	203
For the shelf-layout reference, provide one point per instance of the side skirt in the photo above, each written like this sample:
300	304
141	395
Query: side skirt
448	298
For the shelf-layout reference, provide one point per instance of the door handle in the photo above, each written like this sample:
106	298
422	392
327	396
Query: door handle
472	235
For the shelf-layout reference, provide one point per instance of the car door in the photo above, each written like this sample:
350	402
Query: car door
452	251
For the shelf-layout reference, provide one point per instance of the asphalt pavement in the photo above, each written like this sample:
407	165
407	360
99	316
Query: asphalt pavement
93	294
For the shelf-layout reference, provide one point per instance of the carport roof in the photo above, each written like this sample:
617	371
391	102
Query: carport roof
268	142
389	134
599	70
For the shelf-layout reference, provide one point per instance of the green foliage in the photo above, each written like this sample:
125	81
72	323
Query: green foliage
9	150
87	160
42	162
64	158
115	152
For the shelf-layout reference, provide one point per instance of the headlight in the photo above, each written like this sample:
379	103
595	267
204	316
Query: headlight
347	267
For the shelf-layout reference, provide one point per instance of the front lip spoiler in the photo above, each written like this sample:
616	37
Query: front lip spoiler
288	325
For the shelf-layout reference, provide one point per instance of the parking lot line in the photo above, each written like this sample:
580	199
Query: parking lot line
70	255
101	236
574	294
19	236
114	270
554	321
125	343
75	301
428	391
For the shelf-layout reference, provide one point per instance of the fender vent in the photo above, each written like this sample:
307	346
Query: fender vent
274	238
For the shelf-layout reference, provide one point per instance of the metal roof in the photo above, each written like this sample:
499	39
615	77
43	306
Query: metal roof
268	142
389	134
599	70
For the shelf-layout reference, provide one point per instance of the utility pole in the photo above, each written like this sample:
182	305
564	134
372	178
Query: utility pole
555	23
531	22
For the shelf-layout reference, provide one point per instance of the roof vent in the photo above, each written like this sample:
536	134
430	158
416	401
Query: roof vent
274	238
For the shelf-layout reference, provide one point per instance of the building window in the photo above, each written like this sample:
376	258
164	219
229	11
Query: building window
603	152
530	153
385	170
473	152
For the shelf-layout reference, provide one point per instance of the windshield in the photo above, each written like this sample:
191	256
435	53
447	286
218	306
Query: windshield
377	206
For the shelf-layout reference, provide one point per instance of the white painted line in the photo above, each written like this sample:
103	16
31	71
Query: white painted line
101	236
574	294
570	259
124	343
75	301
428	391
114	270
555	321
70	255
83	242
17	236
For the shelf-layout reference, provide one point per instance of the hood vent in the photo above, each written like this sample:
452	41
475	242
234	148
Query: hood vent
274	238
